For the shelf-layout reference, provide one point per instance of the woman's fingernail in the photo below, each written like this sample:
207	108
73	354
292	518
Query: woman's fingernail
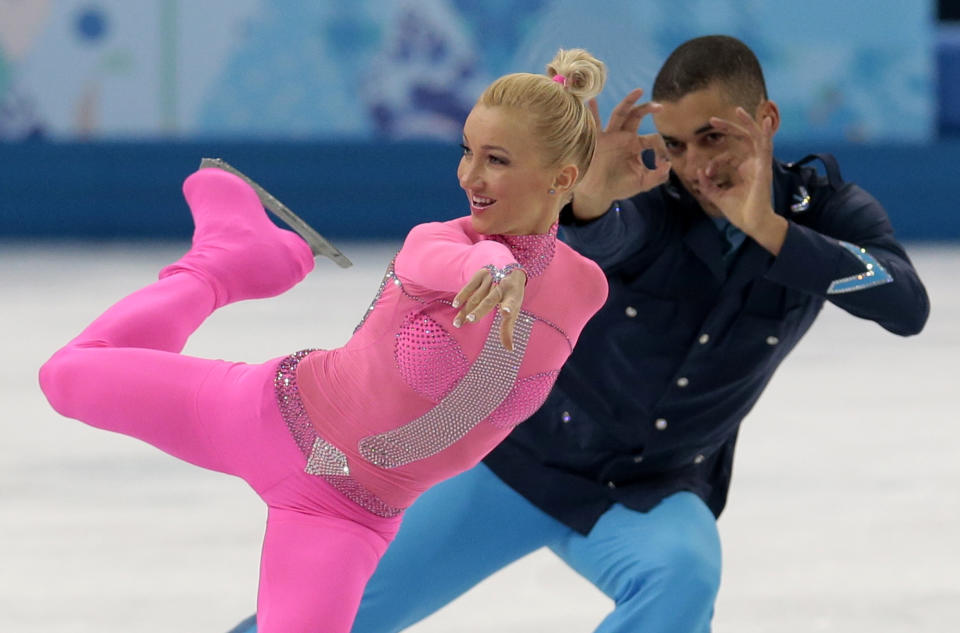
505	308
457	322
471	317
456	303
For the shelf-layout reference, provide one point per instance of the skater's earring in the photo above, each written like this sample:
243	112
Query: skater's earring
551	191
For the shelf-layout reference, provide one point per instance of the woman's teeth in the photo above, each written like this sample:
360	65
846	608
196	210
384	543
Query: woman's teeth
481	202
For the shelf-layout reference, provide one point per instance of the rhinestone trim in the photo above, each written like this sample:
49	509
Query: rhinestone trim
873	274
533	252
387	277
499	274
486	385
323	458
428	357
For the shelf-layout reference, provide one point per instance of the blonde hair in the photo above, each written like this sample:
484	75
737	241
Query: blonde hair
560	121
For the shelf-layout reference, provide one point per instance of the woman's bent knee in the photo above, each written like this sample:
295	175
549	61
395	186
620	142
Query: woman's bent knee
51	382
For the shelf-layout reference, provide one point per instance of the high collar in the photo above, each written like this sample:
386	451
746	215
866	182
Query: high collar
533	252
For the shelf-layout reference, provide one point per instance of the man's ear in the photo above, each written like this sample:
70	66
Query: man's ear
769	109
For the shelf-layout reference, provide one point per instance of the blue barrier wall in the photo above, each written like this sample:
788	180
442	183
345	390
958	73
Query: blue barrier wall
364	190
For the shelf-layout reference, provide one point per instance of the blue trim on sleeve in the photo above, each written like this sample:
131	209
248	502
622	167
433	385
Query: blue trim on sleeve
873	275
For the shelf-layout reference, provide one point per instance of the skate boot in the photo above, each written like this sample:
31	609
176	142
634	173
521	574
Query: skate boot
318	244
236	248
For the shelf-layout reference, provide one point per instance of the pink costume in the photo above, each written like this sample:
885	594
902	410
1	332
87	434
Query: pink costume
336	442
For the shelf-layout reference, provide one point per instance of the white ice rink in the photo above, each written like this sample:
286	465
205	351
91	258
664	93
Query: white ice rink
844	513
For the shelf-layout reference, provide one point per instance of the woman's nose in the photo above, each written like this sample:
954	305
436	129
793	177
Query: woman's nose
470	176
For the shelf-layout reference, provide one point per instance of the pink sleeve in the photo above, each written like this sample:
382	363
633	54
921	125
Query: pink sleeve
440	256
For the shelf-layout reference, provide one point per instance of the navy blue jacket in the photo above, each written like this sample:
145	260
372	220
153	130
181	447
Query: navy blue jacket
652	397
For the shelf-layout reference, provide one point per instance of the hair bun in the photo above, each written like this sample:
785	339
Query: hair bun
584	73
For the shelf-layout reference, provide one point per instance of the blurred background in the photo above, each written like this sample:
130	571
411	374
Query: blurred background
845	505
350	110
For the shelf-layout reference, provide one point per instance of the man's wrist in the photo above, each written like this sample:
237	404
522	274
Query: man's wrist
770	232
589	207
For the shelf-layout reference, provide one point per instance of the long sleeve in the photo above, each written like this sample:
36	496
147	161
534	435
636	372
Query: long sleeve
441	256
850	257
626	227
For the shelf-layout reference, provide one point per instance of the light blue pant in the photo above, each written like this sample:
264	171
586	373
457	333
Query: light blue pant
660	568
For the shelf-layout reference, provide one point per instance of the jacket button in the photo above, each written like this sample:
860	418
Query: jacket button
704	339
637	459
631	311
661	424
699	459
683	381
565	417
611	485
772	340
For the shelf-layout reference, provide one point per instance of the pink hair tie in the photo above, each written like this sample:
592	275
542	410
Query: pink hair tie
560	79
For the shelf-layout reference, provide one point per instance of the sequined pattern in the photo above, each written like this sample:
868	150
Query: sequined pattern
388	276
526	397
326	459
291	407
533	252
483	389
874	274
323	459
428	357
499	274
351	489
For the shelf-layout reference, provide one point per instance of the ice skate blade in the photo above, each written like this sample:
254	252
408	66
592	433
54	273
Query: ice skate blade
318	244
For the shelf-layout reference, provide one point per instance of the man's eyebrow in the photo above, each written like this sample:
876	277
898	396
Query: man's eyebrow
700	130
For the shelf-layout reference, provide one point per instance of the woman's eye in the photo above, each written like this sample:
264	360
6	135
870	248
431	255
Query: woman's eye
497	160
466	150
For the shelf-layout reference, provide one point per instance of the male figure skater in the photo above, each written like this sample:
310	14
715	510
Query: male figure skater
714	277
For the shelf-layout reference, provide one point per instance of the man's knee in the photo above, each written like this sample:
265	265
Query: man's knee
691	566
682	556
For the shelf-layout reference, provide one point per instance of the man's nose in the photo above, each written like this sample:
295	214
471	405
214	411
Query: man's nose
693	159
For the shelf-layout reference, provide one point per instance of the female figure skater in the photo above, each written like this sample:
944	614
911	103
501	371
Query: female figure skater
466	335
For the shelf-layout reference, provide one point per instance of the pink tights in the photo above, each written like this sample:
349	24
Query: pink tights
125	373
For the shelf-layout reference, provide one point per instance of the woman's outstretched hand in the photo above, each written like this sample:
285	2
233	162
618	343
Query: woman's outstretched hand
481	295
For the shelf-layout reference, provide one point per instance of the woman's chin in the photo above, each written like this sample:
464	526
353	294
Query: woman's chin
480	223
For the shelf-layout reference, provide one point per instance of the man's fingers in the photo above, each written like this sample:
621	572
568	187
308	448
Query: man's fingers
636	114
595	112
728	127
746	126
708	186
722	166
622	111
655	142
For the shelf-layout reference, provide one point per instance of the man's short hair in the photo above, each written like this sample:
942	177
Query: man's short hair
703	61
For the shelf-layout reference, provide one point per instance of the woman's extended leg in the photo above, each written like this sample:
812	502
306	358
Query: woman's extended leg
124	373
